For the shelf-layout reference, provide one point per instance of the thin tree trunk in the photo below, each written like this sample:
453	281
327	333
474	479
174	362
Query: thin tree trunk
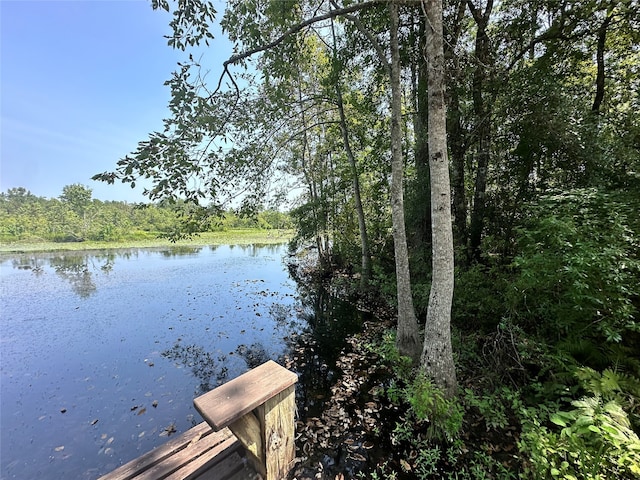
421	211
482	113
364	237
600	76
437	354
455	131
311	184
362	226
458	149
408	336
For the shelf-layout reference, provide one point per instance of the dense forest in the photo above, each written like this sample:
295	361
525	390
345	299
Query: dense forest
76	217
474	163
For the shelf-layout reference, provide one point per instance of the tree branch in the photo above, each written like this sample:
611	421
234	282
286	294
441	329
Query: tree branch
296	28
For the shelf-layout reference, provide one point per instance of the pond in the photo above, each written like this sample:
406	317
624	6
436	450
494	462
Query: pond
102	353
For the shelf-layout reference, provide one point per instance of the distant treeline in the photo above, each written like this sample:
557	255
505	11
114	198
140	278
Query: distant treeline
75	216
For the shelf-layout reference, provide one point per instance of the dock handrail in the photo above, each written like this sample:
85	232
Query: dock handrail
255	411
259	408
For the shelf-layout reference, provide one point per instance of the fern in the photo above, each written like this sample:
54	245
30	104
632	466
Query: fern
613	385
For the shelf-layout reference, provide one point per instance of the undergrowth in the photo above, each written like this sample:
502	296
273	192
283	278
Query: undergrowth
584	430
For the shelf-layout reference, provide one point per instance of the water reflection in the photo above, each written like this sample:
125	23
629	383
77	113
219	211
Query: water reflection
330	321
75	270
258	249
182	250
28	263
78	268
153	330
254	355
210	371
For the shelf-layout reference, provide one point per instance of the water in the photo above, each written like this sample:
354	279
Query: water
102	353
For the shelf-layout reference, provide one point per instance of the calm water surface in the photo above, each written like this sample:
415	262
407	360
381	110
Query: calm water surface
103	353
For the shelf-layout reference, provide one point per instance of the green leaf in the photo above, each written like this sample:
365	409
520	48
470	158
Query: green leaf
558	420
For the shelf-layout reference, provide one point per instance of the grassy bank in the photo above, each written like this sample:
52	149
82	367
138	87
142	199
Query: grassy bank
247	236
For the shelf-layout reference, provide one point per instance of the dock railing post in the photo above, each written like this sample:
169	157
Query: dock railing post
259	408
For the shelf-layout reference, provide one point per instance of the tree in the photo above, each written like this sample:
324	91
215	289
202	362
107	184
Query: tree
408	337
437	355
344	129
78	198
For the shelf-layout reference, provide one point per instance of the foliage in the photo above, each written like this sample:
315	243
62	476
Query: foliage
578	266
612	385
493	408
427	406
596	442
77	217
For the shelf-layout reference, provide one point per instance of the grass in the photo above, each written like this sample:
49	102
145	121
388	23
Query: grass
248	236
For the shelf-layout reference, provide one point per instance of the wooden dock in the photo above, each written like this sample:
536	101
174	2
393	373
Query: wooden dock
248	434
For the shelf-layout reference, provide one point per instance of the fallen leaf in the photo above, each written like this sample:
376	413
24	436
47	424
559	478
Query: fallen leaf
357	457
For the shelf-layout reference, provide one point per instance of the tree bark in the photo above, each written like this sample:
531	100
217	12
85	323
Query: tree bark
365	273
437	354
482	112
455	131
600	76
408	336
420	210
458	150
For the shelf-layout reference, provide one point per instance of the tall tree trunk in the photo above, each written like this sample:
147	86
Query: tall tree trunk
420	210
312	186
362	226
408	336
455	131
482	112
593	160
458	150
437	355
600	76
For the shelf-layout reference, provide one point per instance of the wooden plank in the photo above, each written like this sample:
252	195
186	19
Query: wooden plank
224	469
246	474
227	403
210	459
158	454
209	446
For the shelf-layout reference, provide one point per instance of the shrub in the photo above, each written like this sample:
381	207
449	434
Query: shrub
578	266
596	442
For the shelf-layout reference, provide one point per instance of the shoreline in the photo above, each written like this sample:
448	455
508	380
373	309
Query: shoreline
227	237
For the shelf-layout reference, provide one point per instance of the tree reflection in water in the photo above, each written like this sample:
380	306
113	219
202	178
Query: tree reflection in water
75	270
255	355
181	251
32	263
208	370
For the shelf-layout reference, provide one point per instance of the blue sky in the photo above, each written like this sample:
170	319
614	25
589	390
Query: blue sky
81	84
